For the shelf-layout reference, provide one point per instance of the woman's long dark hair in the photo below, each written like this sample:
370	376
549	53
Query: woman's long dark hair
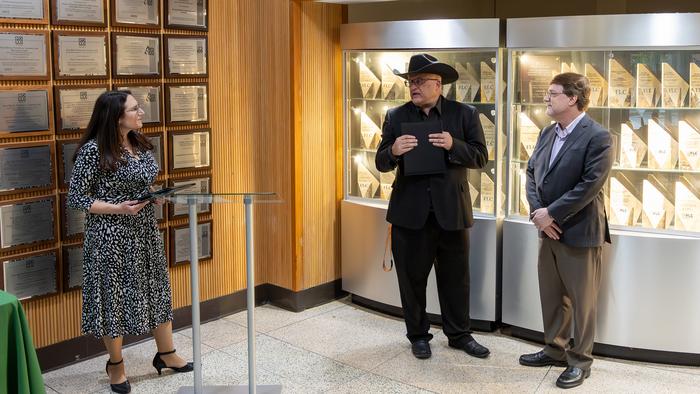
104	128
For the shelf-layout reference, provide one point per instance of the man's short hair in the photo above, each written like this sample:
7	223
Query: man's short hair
575	85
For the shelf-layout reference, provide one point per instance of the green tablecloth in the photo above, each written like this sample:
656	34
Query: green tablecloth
19	367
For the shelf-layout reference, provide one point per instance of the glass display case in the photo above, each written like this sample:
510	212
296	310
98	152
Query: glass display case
371	52
372	88
650	102
645	84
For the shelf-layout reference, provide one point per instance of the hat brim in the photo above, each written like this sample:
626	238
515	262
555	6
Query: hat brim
447	72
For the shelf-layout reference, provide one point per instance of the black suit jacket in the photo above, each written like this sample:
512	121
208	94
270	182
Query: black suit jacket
412	196
572	187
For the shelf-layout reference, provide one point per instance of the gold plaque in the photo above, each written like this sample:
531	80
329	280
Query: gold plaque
488	193
620	85
489	135
694	85
467	85
599	86
625	207
393	87
528	135
473	193
663	148
370	132
657	207
535	74
648	87
674	88
488	83
632	147
688	146
386	181
368	81
687	206
366	182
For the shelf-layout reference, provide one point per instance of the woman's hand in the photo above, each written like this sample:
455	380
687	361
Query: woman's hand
131	207
159	201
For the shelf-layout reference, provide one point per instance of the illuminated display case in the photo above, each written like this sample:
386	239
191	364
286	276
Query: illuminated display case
645	78
371	52
650	102
372	88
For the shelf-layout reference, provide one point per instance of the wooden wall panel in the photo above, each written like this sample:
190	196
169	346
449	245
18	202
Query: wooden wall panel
254	148
320	71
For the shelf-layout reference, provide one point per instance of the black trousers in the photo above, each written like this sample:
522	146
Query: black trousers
415	251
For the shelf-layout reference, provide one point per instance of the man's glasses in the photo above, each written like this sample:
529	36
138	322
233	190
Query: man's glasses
418	81
549	95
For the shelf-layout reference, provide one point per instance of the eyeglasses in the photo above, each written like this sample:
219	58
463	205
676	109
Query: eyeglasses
135	109
549	95
418	81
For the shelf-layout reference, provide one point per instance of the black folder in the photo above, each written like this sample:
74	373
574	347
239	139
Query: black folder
425	158
165	192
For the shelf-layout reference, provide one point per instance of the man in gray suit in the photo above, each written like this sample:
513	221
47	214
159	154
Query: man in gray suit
565	177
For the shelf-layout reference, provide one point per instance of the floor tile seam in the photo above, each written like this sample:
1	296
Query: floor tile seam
327	357
542	380
404	383
305	319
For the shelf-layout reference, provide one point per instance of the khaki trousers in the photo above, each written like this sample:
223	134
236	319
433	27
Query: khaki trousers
569	282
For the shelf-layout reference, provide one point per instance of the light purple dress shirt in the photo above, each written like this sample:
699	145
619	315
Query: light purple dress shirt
561	135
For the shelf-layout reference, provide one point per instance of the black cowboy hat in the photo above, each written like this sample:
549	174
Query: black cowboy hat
424	63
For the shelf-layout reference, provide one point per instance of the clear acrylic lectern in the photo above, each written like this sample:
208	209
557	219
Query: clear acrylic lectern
192	200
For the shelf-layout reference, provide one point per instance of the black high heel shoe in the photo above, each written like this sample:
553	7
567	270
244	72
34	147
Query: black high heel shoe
159	364
121	388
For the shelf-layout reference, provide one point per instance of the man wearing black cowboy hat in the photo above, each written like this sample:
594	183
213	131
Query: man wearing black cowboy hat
430	212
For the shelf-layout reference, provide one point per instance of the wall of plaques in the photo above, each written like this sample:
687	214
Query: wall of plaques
56	58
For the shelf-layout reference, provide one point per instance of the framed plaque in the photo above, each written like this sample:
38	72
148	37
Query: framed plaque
80	55
158	153
74	106
135	55
160	210
26	167
180	243
31	275
185	56
24	54
66	150
186	103
202	185
72	220
149	96
26	110
186	14
24	11
136	13
79	12
189	150
27	222
72	262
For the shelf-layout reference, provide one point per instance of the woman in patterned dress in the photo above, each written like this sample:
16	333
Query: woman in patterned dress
126	287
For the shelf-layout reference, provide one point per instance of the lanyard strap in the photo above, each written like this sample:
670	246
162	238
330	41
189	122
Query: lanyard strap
387	252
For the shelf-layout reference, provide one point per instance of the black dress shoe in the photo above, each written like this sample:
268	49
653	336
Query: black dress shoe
421	349
121	388
572	377
159	364
540	359
472	347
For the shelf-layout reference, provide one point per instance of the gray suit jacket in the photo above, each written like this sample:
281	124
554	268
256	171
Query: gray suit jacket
572	187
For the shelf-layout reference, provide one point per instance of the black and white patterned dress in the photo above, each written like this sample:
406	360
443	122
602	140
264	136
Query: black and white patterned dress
126	288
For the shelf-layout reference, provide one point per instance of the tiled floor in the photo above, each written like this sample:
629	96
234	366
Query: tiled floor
341	348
